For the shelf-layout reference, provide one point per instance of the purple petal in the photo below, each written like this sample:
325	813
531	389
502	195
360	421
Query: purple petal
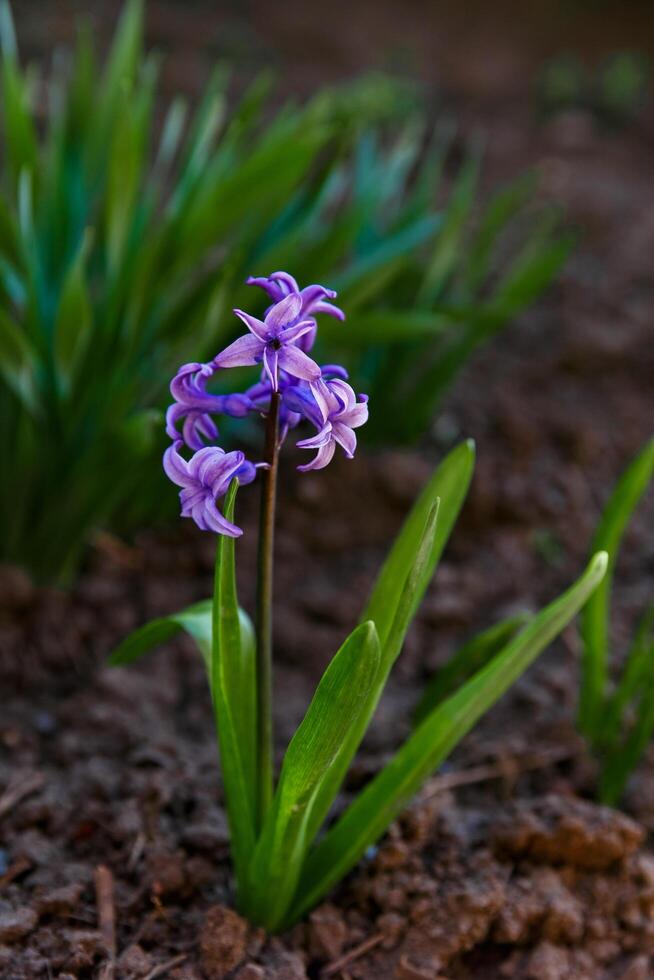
284	313
345	437
274	290
290	334
188	387
355	416
296	362
214	468
214	521
270	363
237	405
313	301
308	339
330	371
329	309
246	473
255	326
321	459
325	400
198	429
345	394
317	440
175	466
173	414
299	399
286	281
243	352
189	497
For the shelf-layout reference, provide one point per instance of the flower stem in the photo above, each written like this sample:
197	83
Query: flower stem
264	611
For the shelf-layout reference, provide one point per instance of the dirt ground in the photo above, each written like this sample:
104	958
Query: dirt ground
111	796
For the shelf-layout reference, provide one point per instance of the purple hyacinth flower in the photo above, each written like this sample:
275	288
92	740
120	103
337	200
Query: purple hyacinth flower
273	342
340	413
204	478
193	403
314	297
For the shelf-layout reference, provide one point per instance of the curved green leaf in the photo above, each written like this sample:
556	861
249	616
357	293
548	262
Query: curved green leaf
388	793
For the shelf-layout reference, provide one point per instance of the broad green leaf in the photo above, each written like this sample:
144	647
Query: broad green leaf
232	679
595	621
340	699
375	808
466	661
450	483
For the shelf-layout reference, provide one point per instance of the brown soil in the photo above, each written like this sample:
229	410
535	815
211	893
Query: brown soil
503	867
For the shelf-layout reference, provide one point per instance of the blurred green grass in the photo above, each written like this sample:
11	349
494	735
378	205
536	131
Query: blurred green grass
124	244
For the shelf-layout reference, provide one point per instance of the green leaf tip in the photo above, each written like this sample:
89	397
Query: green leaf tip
599	563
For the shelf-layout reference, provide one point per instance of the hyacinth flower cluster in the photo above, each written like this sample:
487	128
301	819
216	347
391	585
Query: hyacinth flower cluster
292	388
287	854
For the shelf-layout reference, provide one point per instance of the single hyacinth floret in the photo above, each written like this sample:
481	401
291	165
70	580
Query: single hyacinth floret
273	342
205	478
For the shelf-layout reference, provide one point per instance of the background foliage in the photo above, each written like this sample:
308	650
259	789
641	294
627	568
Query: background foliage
125	239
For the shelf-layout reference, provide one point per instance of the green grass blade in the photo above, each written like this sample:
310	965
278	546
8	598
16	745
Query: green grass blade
448	244
341	698
503	206
450	484
541	259
73	324
18	363
624	756
388	793
635	677
595	621
468	659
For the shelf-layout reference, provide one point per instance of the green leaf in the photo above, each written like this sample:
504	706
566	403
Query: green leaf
502	207
387	794
233	688
17	362
117	81
468	659
73	324
624	755
341	698
448	243
225	637
530	272
195	620
390	326
404	600
450	484
21	145
634	679
595	621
